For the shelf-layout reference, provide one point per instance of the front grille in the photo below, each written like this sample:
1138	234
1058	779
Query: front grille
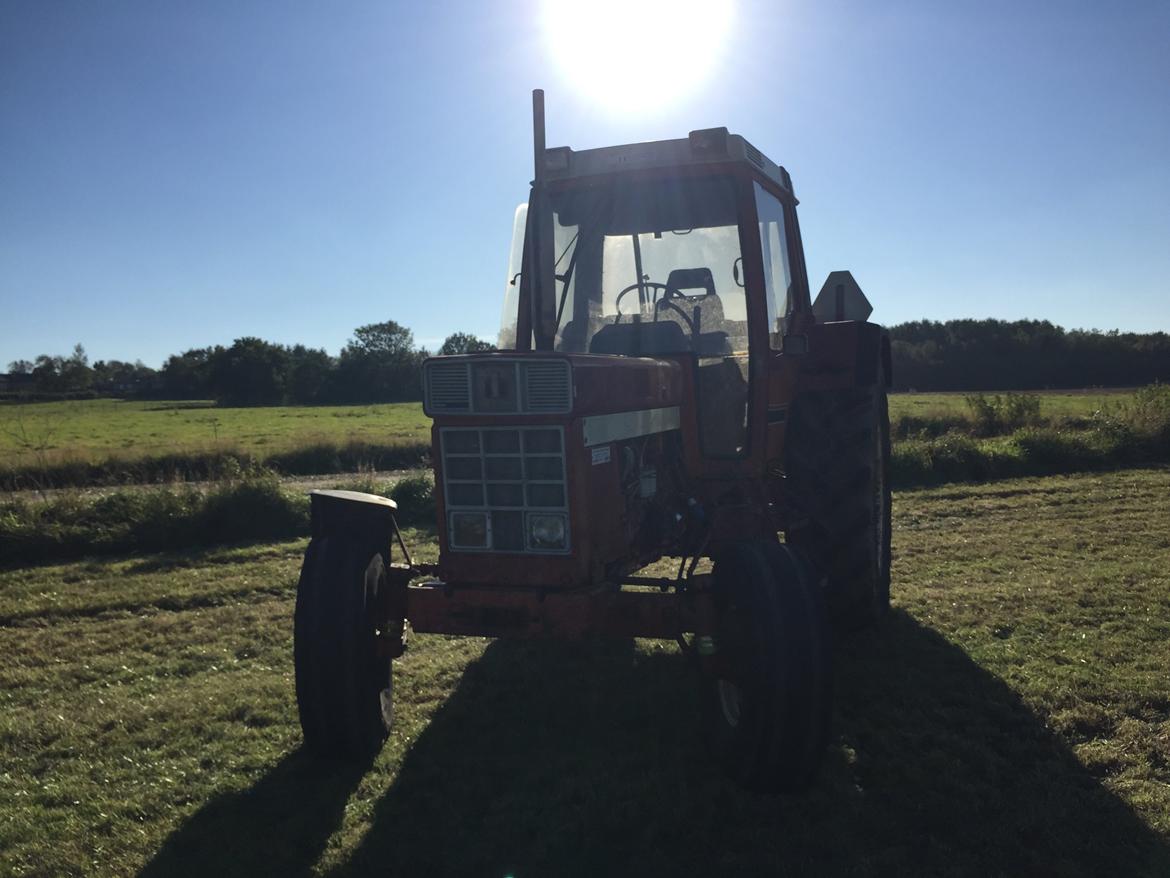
496	479
448	387
546	386
498	386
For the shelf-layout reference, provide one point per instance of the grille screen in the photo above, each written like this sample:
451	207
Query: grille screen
546	386
487	386
448	387
496	479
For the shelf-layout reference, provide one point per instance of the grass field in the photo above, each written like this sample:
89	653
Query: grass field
1013	718
95	429
110	442
100	428
1054	404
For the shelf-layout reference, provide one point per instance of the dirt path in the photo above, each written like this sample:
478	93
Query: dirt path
296	483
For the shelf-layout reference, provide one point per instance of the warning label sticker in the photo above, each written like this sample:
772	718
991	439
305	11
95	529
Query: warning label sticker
600	454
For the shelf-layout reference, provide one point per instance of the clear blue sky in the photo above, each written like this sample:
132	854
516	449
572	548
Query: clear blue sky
177	174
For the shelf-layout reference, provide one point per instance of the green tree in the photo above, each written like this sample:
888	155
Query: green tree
188	375
54	374
1022	355
250	372
47	375
309	371
464	343
75	371
387	341
379	364
122	379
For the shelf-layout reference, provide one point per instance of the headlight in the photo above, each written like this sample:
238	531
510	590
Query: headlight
546	531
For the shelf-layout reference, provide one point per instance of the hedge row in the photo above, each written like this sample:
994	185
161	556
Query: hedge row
253	508
321	458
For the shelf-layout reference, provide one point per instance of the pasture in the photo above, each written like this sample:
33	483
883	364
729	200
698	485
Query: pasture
1055	405
114	442
102	428
93	430
1013	717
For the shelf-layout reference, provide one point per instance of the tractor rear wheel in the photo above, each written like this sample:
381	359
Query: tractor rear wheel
837	467
771	692
343	684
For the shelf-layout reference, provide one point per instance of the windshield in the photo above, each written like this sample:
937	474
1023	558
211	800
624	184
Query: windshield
654	267
648	267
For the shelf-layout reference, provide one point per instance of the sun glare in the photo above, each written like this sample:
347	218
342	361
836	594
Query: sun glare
636	54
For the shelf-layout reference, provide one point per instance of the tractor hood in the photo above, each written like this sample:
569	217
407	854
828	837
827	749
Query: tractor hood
511	386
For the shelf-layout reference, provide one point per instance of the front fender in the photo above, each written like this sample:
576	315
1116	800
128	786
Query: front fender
365	519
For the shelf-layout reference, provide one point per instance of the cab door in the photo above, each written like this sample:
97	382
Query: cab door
786	295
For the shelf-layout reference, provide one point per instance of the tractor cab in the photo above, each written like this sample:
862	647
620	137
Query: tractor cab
681	248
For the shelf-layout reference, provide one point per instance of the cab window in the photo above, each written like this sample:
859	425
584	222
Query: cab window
777	269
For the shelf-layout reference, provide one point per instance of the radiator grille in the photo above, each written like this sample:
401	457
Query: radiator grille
495	479
543	386
546	386
448	387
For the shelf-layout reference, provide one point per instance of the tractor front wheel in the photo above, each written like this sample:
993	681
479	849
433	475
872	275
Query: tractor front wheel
343	684
771	688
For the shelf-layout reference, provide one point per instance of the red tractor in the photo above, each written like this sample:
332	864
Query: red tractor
664	388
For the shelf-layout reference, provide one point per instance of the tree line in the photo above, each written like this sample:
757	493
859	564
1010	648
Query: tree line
1023	355
381	364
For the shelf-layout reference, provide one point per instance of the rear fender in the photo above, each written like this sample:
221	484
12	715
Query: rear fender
845	354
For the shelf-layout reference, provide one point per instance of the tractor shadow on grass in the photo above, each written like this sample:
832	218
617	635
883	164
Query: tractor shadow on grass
278	826
560	759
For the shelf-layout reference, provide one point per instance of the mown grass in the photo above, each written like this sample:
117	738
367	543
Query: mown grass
1012	719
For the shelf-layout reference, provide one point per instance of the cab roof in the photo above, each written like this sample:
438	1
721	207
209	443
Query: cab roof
699	147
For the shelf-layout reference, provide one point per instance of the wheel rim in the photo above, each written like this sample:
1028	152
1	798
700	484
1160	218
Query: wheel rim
730	701
731	639
386	704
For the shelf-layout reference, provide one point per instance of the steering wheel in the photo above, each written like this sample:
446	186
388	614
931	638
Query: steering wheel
667	301
639	286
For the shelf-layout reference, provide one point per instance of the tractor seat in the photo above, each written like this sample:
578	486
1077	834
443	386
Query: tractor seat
712	337
690	279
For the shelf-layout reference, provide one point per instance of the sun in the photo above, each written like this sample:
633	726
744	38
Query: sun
636	54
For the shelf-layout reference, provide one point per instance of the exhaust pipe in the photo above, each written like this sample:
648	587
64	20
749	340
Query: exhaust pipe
544	289
538	133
